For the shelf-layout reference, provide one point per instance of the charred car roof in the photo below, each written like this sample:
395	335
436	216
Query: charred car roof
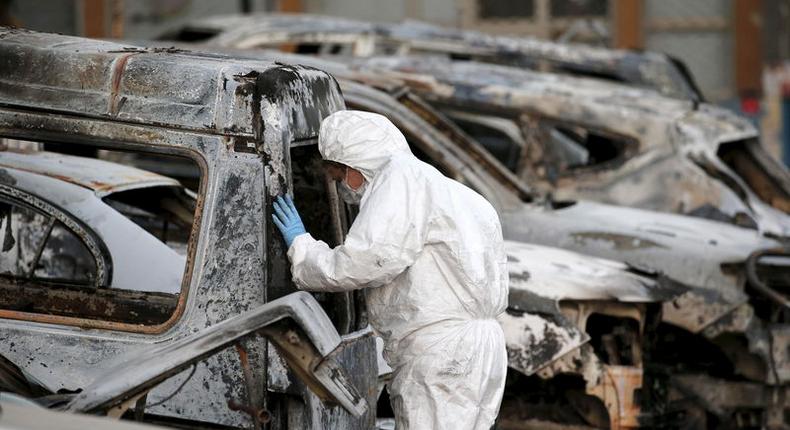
101	177
509	87
647	69
96	78
588	101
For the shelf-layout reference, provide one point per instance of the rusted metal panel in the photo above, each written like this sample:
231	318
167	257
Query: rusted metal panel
619	392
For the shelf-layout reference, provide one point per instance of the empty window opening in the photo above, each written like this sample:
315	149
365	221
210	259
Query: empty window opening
587	72
315	48
93	239
576	147
189	35
308	48
500	137
65	258
165	212
578	8
504	9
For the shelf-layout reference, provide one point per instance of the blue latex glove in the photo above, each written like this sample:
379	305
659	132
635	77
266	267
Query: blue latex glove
287	219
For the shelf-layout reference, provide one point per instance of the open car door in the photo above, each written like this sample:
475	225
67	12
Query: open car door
295	324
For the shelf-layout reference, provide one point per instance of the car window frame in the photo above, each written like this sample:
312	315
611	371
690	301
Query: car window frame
535	128
340	214
509	127
192	247
85	234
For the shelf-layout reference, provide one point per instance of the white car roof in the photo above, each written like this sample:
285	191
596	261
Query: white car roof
102	177
130	246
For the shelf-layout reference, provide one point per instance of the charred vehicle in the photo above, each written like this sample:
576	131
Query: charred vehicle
720	322
706	262
124	294
561	303
580	138
315	34
700	308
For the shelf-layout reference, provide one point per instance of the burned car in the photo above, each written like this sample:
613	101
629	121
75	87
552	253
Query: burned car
698	297
99	365
316	34
202	326
717	318
557	299
712	305
585	139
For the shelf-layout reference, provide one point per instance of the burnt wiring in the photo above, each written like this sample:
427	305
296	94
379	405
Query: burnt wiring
194	367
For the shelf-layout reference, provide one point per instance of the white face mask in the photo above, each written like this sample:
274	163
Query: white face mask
350	195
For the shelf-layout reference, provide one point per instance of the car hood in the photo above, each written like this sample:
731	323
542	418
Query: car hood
558	274
536	332
704	256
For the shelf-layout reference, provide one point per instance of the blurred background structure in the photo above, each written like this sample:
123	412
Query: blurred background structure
738	50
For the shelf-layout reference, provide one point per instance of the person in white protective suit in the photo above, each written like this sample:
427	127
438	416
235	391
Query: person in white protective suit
429	252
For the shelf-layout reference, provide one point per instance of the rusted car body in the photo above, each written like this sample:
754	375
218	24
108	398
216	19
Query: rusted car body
235	345
315	34
579	138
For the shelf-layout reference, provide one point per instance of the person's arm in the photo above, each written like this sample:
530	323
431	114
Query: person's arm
385	239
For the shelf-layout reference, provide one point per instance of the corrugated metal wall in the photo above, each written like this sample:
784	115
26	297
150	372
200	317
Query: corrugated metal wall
699	33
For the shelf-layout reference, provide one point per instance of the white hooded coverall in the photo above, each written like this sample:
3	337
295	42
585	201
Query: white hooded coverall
429	252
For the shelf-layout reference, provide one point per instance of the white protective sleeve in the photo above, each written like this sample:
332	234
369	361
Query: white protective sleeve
385	239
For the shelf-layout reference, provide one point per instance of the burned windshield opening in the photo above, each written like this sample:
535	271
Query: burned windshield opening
498	143
189	34
501	137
